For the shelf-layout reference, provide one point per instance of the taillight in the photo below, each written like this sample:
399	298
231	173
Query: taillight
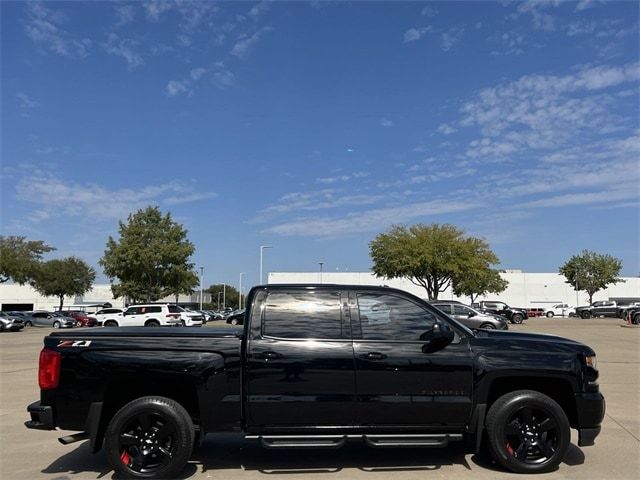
49	369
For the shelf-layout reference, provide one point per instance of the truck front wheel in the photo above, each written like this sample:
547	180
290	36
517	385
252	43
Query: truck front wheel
528	432
150	437
517	318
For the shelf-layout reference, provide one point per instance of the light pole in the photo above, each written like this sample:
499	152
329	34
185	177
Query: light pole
219	293
224	296
240	292
321	264
262	247
201	281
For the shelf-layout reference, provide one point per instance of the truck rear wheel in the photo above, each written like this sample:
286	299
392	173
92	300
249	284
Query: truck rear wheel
150	437
528	432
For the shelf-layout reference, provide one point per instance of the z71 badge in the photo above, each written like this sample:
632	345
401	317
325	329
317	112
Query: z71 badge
74	343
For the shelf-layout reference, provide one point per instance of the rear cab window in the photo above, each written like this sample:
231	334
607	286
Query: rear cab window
303	315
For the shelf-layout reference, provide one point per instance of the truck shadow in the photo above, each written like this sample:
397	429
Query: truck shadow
232	452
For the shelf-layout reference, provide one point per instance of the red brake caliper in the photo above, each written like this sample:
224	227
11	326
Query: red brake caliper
125	457
509	449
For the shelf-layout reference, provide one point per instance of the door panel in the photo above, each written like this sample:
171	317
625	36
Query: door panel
294	376
396	382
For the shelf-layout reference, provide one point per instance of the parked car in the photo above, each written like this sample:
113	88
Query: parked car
25	316
82	318
633	315
159	314
41	318
513	314
109	317
380	365
560	310
470	317
236	317
10	323
602	308
535	312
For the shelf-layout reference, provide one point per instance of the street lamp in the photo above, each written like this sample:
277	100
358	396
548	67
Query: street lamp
321	264
262	247
219	293
201	281
240	294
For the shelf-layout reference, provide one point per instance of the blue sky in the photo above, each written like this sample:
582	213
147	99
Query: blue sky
314	126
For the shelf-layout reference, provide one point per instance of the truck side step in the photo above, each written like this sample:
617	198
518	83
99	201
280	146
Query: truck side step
76	437
419	440
302	441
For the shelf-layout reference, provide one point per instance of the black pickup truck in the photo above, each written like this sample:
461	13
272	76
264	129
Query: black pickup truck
317	366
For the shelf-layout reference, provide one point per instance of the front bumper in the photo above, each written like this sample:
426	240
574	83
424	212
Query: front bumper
41	417
590	408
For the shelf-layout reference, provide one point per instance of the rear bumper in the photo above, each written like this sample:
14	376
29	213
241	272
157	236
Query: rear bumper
590	408
41	417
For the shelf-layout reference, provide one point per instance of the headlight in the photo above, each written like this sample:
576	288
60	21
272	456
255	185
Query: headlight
591	361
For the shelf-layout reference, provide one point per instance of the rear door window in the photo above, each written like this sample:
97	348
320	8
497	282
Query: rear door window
302	314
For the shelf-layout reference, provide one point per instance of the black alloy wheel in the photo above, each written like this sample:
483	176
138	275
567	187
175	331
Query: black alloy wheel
517	318
152	323
528	432
586	314
110	323
151	437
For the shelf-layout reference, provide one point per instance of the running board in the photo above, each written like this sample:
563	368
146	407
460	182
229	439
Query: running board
302	441
419	440
76	437
337	441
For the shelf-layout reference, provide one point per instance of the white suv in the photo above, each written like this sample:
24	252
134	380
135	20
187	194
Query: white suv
158	314
560	309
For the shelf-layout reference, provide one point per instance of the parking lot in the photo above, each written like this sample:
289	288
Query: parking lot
28	454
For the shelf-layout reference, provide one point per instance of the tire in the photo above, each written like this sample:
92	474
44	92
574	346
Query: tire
110	323
488	326
56	324
28	324
517	318
183	323
152	323
522	443
549	314
150	437
234	321
586	314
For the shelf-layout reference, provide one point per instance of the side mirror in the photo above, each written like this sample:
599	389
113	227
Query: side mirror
472	314
437	338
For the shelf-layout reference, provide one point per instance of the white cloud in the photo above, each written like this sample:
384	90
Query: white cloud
54	197
446	129
124	48
125	14
429	11
451	37
258	10
369	220
44	27
511	43
414	34
25	102
176	87
385	122
245	44
197	73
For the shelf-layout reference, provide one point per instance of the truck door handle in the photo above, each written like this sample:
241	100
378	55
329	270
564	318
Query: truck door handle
373	356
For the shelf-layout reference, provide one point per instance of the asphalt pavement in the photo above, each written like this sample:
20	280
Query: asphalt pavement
30	454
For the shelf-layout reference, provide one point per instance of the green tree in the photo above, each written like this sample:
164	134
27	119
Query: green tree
150	260
182	281
591	272
63	277
430	256
20	258
478	282
232	295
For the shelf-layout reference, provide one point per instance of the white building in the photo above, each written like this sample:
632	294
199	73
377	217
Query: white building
524	290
